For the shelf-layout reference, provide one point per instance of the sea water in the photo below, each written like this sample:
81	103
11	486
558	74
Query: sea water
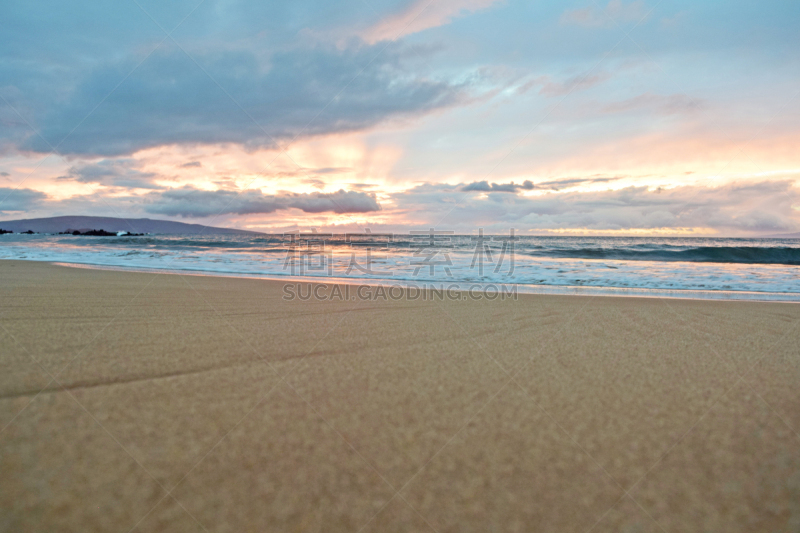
719	268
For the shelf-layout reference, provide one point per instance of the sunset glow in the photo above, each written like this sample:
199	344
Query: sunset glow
632	119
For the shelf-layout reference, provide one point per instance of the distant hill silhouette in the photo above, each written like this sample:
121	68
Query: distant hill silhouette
133	225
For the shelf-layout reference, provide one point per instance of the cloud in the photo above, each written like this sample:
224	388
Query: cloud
421	15
484	186
551	88
664	104
735	208
291	67
578	83
112	173
317	184
299	92
191	202
331	170
615	11
558	184
19	199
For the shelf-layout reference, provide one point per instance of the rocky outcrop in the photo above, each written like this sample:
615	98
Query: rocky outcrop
100	233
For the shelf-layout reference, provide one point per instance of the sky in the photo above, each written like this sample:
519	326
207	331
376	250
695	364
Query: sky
583	117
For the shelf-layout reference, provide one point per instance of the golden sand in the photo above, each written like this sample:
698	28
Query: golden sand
152	402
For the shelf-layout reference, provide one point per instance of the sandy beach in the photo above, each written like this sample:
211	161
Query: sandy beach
162	402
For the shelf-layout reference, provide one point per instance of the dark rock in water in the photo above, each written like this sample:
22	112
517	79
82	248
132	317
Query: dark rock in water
100	233
3	231
29	232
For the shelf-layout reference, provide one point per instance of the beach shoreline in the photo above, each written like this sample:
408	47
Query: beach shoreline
143	401
557	290
744	269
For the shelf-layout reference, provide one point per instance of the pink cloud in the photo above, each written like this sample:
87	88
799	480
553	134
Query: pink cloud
616	10
551	88
421	15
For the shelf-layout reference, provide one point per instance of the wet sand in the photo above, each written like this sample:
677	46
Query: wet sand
153	402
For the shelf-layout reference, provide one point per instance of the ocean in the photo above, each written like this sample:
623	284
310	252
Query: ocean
711	268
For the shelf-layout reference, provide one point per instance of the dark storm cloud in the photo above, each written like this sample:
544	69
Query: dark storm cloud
191	202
